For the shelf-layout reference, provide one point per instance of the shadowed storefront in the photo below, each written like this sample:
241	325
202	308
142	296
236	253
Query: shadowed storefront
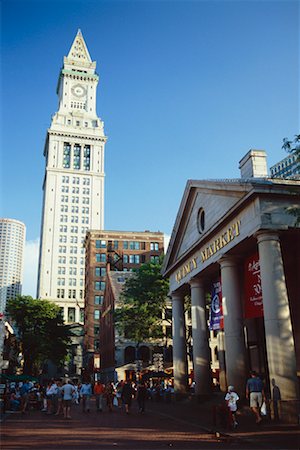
241	234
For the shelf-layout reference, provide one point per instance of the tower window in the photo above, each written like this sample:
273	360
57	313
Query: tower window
86	157
76	157
67	156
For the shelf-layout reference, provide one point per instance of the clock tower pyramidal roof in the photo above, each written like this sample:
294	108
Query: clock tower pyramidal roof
78	57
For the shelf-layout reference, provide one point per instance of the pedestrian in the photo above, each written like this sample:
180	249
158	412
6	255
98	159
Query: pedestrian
24	392
276	397
255	394
119	388
85	394
53	393
231	398
99	389
142	394
127	394
109	394
60	406
67	391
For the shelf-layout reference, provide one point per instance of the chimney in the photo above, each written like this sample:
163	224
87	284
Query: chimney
254	164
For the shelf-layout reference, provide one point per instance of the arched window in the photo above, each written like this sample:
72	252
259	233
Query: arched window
144	353
129	354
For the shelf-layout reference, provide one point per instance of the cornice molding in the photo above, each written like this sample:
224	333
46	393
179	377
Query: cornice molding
77	136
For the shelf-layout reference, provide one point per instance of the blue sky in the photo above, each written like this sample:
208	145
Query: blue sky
186	89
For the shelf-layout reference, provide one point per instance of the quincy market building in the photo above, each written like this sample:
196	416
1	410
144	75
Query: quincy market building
240	237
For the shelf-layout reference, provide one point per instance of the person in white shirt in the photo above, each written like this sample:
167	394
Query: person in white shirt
67	393
85	394
231	398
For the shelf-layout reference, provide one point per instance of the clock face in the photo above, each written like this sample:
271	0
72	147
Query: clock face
78	90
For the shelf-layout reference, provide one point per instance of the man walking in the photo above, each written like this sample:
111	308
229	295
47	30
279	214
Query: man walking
85	394
67	393
255	394
98	392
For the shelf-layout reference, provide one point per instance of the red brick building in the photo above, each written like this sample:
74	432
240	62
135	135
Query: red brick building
123	251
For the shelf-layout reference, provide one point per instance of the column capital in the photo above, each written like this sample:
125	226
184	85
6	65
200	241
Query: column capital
265	235
177	296
196	283
229	261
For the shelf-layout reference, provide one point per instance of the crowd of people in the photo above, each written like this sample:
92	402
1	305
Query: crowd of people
57	396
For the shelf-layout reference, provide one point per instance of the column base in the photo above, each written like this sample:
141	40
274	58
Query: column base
180	396
288	411
202	398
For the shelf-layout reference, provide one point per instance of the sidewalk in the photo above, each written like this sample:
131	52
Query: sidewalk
268	435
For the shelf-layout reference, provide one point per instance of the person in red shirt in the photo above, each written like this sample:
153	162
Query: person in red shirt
98	392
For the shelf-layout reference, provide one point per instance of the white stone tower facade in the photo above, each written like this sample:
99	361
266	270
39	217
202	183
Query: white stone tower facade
73	184
12	243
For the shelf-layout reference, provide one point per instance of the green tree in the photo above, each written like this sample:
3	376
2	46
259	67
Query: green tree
40	330
142	302
293	147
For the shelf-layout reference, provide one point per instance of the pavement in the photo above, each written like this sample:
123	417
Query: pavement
185	424
268	435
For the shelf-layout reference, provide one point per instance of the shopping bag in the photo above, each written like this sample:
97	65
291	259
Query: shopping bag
263	409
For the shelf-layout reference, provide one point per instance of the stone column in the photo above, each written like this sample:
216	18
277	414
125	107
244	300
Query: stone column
201	350
235	352
221	357
179	345
278	328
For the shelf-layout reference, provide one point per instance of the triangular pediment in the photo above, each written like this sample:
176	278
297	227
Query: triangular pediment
216	199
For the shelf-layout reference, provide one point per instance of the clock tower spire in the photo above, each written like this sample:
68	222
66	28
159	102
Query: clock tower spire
74	183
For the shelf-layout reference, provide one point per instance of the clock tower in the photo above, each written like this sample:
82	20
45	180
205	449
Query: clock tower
73	184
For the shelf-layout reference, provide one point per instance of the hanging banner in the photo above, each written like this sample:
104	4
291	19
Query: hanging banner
253	291
216	321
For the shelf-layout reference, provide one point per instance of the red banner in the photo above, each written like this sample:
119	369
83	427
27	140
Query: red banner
253	292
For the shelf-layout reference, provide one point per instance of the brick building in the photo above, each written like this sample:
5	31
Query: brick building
123	251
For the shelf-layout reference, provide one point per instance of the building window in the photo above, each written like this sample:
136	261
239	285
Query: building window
134	245
98	300
100	257
154	259
100	271
71	314
60	293
81	315
154	246
134	259
96	314
125	259
99	285
87	157
100	243
72	293
76	156
125	245
96	345
96	330
67	156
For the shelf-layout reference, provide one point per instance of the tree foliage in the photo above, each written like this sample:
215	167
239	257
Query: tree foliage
293	147
41	332
142	302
